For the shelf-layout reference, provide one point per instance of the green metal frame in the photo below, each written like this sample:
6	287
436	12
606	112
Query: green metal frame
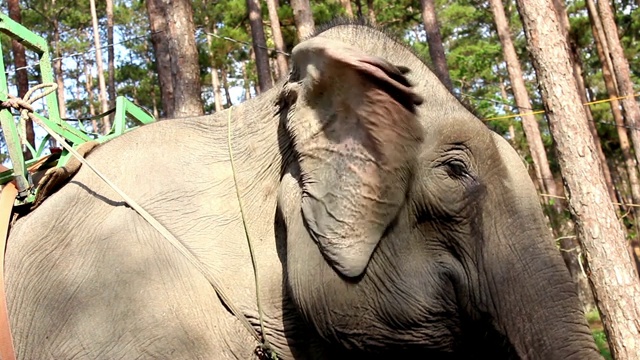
124	109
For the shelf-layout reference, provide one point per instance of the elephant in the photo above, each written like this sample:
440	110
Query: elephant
385	218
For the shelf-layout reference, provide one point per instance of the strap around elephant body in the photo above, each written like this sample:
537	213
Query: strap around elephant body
161	229
7	199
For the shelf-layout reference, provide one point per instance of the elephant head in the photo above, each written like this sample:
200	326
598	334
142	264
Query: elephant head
409	225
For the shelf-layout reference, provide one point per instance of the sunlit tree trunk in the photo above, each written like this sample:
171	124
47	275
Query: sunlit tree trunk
561	13
111	69
281	58
102	95
174	43
246	82
612	274
303	18
346	4
259	45
621	72
215	80
371	11
89	88
225	85
529	122
436	50
22	78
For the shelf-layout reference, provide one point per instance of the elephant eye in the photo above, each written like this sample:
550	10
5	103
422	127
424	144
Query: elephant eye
457	169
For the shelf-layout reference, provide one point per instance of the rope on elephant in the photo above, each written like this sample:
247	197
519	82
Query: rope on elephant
265	346
27	110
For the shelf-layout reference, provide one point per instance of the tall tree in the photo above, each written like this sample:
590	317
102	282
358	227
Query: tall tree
215	80
346	4
613	276
259	45
111	70
529	122
371	11
623	138
104	102
174	43
436	50
303	18
281	58
563	17
622	72
22	78
159	40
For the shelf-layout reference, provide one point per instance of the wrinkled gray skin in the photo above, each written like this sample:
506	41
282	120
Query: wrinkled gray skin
383	224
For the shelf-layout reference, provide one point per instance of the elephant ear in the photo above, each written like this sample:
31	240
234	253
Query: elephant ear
356	135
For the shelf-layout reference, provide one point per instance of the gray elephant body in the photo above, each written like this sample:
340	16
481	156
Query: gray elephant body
449	256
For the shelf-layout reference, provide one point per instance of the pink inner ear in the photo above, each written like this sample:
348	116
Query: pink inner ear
377	68
356	139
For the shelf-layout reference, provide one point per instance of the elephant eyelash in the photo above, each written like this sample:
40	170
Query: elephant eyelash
457	169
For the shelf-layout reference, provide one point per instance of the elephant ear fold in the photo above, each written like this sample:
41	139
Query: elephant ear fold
355	131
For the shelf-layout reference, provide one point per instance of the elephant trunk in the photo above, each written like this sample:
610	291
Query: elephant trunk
529	294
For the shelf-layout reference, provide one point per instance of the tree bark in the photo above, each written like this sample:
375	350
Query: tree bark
245	82
621	72
111	70
57	68
359	8
629	160
346	4
436	50
101	83
563	17
225	85
529	122
303	18
371	11
89	88
174	43
281	58
259	45
215	81
160	42
613	277
22	78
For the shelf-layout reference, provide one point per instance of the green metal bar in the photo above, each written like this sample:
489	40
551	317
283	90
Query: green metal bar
39	45
11	136
125	107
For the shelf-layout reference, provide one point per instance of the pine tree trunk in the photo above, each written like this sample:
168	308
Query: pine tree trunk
173	39
625	146
359	8
436	49
621	72
101	83
371	11
563	17
22	78
160	42
529	122
225	85
111	70
512	131
215	81
281	58
246	82
613	276
89	88
57	68
259	45
303	18
346	4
